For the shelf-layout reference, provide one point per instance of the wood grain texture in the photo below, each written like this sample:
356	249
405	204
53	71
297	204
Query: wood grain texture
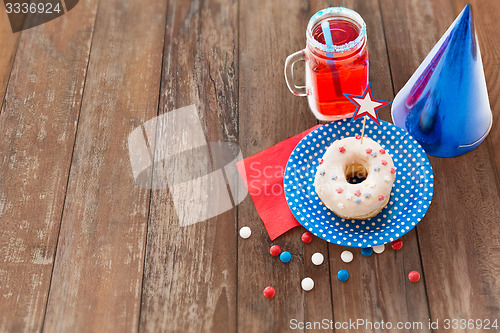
9	42
269	113
378	288
96	282
486	16
460	235
190	271
38	124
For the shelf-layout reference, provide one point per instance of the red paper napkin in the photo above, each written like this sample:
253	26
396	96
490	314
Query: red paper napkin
263	174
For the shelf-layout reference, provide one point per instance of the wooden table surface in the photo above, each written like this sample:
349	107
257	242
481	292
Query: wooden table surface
82	248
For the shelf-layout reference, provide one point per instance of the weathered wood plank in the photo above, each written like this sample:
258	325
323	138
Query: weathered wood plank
190	271
459	237
486	17
38	124
377	289
269	113
96	283
9	41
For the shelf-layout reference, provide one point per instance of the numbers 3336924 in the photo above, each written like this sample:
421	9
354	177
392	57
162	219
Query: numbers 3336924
25	8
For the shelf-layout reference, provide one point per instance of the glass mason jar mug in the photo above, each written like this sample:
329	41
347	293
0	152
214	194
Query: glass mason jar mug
335	69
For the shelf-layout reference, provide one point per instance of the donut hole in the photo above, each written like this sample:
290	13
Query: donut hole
355	173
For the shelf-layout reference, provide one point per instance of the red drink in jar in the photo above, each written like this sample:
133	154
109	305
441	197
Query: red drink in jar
332	70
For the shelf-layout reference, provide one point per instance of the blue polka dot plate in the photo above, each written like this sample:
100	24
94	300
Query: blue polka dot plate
410	198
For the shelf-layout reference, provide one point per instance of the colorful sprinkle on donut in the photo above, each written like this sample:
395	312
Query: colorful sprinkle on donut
340	190
342	149
387	179
382	151
320	161
367	195
357	201
393	170
368	150
384	162
357	193
381	197
377	168
334	177
374	154
358	136
322	172
348	196
340	205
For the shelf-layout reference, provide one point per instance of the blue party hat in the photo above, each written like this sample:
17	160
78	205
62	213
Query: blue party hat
445	103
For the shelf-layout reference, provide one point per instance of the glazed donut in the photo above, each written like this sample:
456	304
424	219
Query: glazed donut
345	158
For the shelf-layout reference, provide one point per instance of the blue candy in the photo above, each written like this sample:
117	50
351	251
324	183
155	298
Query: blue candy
285	256
367	251
343	275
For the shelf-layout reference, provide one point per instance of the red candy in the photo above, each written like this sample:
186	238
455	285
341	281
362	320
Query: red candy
414	276
321	161
307	237
358	136
393	170
269	292
381	197
397	244
357	193
275	250
384	162
368	150
340	190
382	151
342	149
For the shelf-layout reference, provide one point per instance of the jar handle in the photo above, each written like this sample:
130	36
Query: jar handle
289	63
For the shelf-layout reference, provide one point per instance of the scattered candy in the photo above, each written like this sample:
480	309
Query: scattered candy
384	162
414	276
367	251
381	197
245	232
346	256
357	193
358	136
378	248
343	275
342	149
317	258
285	256
269	292
368	150
340	190
382	151
275	250
320	161
307	237
397	244
307	284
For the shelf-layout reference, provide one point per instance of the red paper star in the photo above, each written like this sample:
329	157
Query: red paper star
366	105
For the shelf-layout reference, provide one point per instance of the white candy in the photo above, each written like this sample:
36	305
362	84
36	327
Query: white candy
346	256
317	258
307	284
378	248
245	232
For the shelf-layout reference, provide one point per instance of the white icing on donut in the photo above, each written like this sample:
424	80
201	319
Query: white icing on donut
355	200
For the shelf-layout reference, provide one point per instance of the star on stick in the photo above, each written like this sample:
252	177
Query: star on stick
366	105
